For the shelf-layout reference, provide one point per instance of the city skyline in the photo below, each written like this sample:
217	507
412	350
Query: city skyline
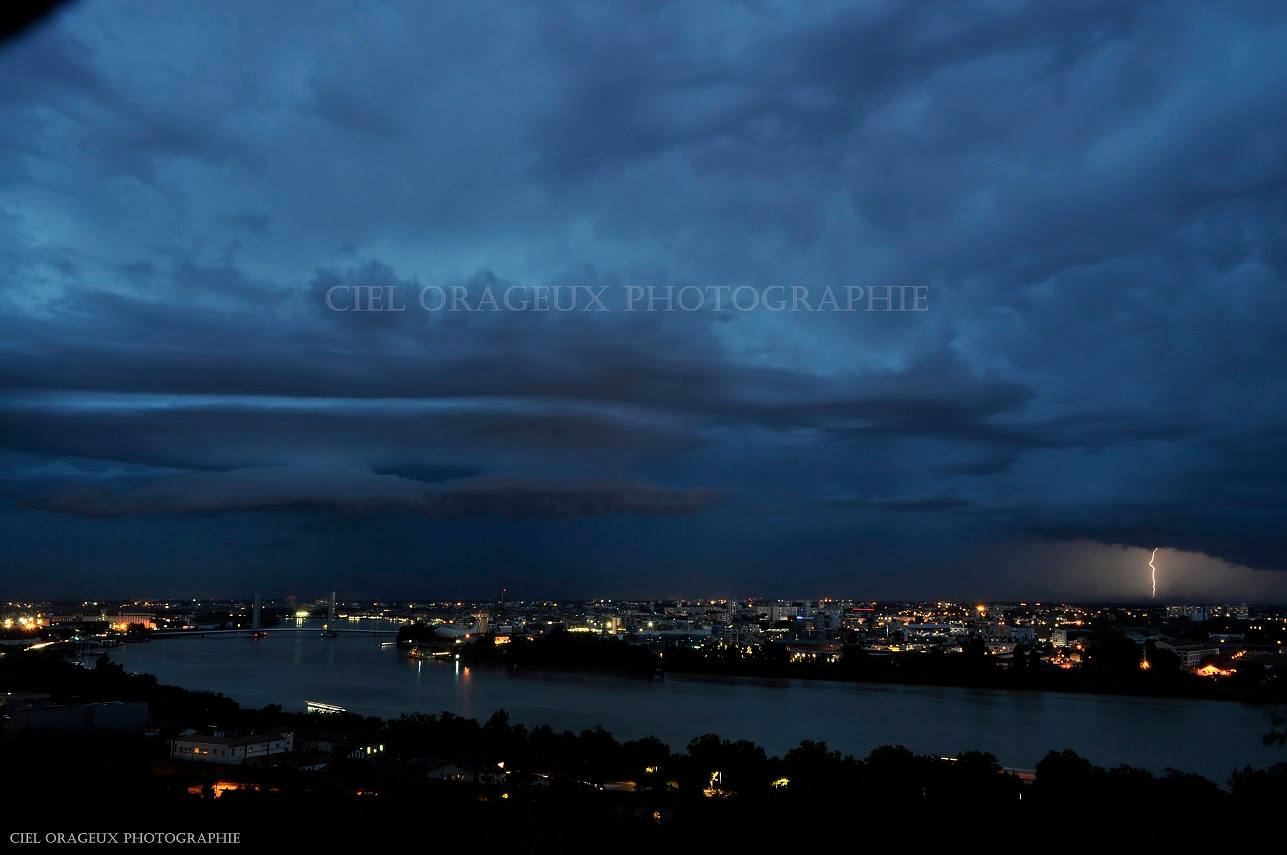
315	593
1091	198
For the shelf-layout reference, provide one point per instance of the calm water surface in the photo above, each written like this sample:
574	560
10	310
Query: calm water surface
1208	737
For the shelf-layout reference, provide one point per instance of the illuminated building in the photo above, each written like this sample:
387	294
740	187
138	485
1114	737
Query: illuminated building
125	620
322	708
1214	671
814	651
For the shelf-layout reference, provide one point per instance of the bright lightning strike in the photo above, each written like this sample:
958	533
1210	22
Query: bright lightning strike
1153	569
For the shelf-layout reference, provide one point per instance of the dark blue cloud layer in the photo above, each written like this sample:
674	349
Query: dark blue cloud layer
1094	193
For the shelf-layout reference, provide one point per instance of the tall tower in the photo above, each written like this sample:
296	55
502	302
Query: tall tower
328	630
256	623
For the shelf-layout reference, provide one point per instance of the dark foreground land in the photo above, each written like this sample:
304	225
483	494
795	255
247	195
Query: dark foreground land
515	789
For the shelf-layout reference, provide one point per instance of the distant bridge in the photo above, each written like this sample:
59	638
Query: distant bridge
179	633
328	628
256	626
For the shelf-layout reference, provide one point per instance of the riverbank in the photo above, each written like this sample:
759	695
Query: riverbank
1017	726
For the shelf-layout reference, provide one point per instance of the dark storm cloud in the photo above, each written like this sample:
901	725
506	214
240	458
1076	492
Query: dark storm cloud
808	88
928	503
362	491
1095	194
217	432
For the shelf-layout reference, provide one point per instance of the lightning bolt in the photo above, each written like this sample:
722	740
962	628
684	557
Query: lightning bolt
1153	569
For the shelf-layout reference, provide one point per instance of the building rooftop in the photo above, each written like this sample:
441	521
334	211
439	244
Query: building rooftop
231	740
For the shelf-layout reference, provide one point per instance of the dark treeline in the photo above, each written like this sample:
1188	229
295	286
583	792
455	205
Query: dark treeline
1111	665
556	789
562	649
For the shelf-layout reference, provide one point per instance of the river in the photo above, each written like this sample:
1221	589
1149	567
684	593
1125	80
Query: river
1208	737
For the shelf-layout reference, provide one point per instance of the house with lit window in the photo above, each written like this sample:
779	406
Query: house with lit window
444	770
231	750
332	744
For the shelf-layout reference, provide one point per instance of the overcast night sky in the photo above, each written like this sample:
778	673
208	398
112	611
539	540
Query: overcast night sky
1094	194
